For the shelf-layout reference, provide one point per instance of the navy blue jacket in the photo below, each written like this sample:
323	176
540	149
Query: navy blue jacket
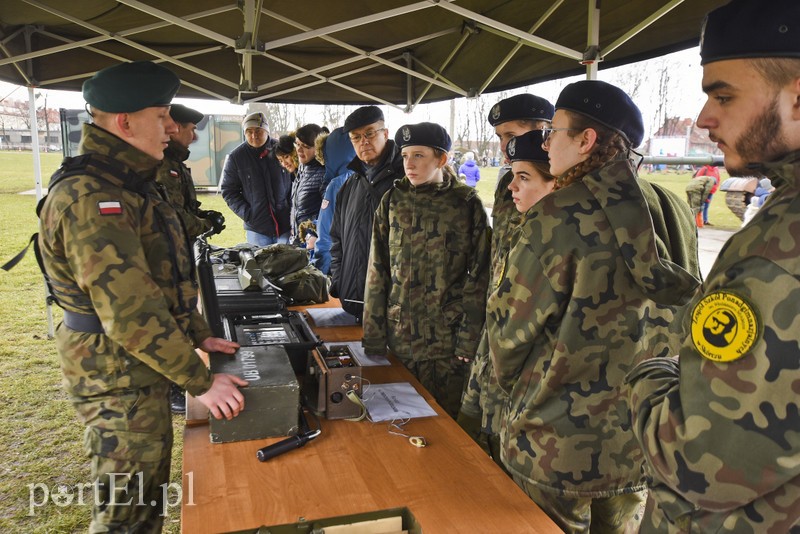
258	189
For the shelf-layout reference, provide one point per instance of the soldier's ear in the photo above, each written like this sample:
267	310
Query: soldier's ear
588	140
794	91
123	124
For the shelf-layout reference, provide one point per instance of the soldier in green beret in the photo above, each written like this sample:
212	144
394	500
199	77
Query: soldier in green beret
175	179
595	278
118	261
720	424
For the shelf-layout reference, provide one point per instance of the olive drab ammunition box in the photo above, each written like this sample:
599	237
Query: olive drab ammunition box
333	377
272	397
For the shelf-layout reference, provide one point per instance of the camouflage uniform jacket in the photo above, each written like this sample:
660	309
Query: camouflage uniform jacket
131	267
176	179
483	397
589	288
425	296
719	425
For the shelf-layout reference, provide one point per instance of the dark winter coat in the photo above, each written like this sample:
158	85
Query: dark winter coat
257	189
307	194
351	232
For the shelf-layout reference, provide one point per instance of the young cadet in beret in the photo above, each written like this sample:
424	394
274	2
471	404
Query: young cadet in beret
255	187
531	168
593	283
118	261
483	399
719	425
375	168
425	297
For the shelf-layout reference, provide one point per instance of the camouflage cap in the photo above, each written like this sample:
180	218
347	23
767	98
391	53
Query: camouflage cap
183	115
527	147
607	104
129	87
521	107
363	116
772	29
423	134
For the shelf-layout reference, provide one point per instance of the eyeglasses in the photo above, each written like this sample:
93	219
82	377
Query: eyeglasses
368	135
547	132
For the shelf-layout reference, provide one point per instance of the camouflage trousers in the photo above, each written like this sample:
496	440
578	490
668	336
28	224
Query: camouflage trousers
599	515
129	440
444	378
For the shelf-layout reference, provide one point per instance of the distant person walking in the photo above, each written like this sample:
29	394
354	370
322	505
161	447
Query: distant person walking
708	170
470	169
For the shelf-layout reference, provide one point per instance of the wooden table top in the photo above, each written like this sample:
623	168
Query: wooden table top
352	467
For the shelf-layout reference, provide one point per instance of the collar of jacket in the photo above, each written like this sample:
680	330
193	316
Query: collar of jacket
782	172
615	187
176	151
99	141
391	163
404	184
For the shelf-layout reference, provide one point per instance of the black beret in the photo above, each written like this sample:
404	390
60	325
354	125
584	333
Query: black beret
308	133
182	115
285	145
527	147
751	29
521	107
129	87
605	103
362	117
423	134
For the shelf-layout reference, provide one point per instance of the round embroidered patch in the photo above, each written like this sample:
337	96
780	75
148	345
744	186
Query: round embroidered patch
724	326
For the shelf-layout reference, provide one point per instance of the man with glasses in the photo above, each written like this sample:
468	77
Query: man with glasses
256	187
483	399
377	165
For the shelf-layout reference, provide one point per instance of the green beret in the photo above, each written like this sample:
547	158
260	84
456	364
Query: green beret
527	147
751	29
183	115
423	134
129	87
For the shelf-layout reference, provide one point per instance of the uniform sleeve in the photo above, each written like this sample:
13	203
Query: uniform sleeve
232	189
475	285
174	190
722	434
471	399
518	311
376	291
109	264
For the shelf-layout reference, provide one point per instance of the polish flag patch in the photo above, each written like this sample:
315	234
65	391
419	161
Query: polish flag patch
111	207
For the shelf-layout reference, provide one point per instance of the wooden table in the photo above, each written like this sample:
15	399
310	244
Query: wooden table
352	467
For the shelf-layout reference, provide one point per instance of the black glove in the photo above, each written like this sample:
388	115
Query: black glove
216	219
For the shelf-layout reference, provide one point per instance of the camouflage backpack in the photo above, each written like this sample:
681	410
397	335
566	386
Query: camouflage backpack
307	285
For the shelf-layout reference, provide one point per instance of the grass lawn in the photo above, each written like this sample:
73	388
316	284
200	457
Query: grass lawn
42	449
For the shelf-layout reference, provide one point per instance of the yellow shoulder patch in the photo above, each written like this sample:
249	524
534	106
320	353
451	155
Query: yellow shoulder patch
725	326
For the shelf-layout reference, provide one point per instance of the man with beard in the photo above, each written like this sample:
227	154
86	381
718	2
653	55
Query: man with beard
718	424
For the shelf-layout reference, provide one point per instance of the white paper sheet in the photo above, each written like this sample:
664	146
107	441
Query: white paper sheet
400	400
357	350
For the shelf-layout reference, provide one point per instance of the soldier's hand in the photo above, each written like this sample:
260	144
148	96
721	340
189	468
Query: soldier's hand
217	344
224	399
216	219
